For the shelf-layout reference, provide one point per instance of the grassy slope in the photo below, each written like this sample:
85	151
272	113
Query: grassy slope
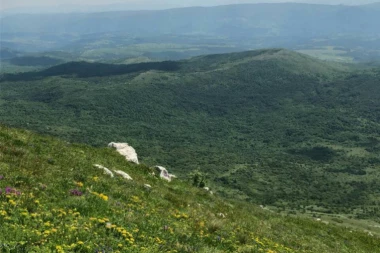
269	119
114	215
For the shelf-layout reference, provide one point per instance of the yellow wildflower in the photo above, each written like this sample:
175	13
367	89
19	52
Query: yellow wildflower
104	197
59	249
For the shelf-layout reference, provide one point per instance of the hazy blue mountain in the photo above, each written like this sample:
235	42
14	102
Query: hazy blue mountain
6	53
344	33
303	20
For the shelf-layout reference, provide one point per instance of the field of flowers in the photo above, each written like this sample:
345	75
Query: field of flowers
52	199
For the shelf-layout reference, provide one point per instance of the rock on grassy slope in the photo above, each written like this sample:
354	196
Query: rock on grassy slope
54	200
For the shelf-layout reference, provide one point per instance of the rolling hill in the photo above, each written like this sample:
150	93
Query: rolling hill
271	127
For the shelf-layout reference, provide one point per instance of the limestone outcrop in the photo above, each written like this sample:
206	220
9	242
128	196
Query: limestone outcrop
125	150
164	174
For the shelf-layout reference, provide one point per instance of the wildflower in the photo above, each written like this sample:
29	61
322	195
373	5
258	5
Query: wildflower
10	190
1	177
104	197
136	199
79	184
75	192
59	248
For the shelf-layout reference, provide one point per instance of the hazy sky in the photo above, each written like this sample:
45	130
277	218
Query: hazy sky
156	4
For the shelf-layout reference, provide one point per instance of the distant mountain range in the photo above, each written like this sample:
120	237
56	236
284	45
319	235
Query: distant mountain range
245	20
153	5
352	31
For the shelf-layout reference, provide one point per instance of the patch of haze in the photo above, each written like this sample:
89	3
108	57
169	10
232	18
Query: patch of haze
26	6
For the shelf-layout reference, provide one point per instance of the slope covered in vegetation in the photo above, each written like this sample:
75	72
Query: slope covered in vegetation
270	126
53	199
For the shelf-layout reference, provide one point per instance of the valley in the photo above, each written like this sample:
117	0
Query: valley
273	119
256	127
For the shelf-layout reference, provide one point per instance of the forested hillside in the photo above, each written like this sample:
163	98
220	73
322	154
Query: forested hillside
273	127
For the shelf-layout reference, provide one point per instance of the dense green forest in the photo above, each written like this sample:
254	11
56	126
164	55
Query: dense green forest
273	127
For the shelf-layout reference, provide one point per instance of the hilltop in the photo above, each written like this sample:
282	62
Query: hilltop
291	61
272	127
53	199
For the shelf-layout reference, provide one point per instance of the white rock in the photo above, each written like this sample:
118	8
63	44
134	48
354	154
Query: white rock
125	150
164	174
105	170
206	188
222	215
147	186
123	174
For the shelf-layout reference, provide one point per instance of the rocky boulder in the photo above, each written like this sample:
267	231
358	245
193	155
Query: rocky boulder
125	150
123	174
105	170
164	174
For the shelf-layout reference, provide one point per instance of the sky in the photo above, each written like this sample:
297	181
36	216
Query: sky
146	4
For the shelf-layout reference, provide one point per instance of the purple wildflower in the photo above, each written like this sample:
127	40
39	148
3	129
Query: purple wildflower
75	192
1	177
10	190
